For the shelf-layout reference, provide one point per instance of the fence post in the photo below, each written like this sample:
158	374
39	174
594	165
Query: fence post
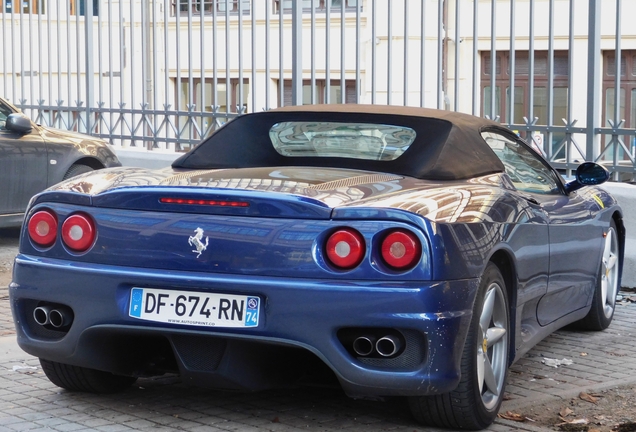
297	55
593	80
90	91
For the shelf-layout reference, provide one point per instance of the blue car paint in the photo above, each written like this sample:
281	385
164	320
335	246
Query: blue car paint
277	256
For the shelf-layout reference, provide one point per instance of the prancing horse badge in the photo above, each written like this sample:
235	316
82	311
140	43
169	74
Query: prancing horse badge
196	241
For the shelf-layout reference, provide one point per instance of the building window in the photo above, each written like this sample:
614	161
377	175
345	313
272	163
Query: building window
28	6
208	7
627	107
78	7
335	93
522	90
319	5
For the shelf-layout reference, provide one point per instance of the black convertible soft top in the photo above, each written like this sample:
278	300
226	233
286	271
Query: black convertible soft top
447	146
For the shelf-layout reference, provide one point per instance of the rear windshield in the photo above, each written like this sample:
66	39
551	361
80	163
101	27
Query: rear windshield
343	140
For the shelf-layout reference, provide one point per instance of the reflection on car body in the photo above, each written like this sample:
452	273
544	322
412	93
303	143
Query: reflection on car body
420	262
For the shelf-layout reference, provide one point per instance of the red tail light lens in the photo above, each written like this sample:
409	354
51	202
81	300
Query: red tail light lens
401	249
345	248
78	232
42	228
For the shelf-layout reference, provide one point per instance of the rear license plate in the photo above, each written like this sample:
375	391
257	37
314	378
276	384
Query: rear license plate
194	308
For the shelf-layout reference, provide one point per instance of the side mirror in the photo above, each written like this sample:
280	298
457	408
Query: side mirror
19	123
588	174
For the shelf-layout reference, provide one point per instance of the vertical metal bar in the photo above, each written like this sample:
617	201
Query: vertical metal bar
166	74
122	62
22	49
202	58
547	143
155	68
110	67
133	72
253	83
423	54
190	59
440	54
281	70
313	52
513	38
99	56
240	56
531	63
617	66
327	53
30	34
90	72
476	87
389	60
267	51
215	53
617	82
570	63
358	54
493	60
343	93
594	78
40	71
406	53
4	51
145	53
228	78
457	45
297	54
50	66
13	68
373	50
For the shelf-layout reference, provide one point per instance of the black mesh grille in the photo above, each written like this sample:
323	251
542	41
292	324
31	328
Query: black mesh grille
199	353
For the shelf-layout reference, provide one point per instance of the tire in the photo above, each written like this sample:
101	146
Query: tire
76	169
607	284
75	378
475	402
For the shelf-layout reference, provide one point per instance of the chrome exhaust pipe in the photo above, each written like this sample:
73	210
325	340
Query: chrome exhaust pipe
60	317
41	315
363	345
388	346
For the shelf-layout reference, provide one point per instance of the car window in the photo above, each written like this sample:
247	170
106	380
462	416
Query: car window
369	141
4	113
527	172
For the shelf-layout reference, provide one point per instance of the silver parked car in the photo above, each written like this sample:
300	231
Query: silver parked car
34	157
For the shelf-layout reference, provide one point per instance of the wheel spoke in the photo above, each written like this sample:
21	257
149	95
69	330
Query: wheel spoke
608	246
489	377
604	289
611	262
480	370
494	335
486	313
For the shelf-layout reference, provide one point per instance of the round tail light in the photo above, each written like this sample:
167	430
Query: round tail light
78	232
345	248
401	250
42	228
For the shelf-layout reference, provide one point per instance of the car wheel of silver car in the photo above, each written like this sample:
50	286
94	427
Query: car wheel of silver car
476	400
76	169
607	285
82	379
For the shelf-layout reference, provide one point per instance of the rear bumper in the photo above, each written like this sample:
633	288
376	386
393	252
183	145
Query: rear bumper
296	314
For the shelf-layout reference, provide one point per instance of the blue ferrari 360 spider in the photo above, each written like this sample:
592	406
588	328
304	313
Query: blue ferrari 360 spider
409	252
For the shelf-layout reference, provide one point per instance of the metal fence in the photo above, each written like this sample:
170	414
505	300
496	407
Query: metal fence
162	74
